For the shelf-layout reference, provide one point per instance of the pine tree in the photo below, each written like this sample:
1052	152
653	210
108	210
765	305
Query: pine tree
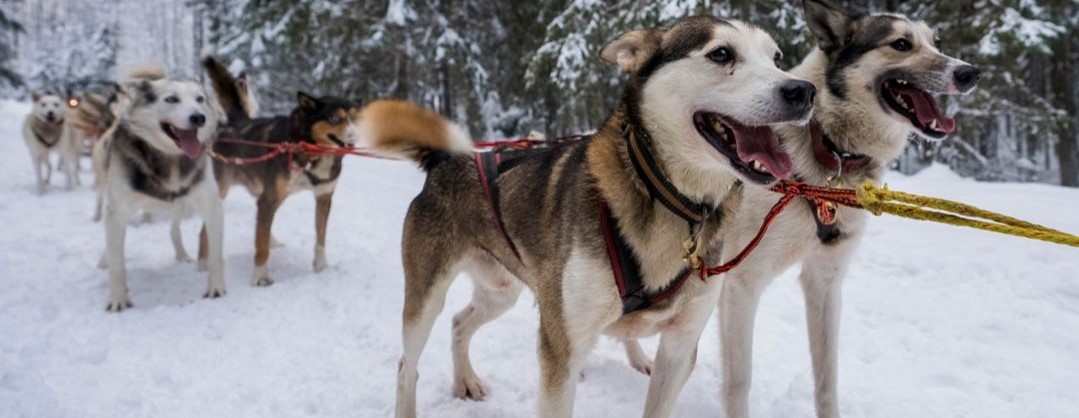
9	30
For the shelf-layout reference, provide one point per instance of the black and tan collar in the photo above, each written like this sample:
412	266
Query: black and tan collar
659	186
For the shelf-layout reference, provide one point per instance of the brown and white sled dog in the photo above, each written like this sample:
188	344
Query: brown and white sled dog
155	161
877	74
692	123
43	131
326	121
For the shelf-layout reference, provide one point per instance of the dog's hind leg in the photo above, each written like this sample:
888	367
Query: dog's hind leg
322	216
737	313
429	269
495	290
822	278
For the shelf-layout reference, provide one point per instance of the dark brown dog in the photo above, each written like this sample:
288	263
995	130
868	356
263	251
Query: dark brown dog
326	121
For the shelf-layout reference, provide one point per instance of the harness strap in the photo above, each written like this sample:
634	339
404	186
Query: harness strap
627	270
487	165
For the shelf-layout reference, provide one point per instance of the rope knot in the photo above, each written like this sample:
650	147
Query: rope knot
870	197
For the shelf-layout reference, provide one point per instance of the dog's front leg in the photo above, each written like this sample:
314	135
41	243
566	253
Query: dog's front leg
561	360
676	356
213	219
822	278
737	314
115	230
322	216
178	241
39	172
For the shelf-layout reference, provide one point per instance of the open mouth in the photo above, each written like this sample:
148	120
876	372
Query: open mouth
918	106
186	139
754	151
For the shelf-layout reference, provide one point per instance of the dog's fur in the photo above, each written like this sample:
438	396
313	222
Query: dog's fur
550	204
327	121
43	131
857	54
155	160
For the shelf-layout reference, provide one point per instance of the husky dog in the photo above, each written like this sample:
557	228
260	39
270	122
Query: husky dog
43	131
601	229
877	74
326	121
155	160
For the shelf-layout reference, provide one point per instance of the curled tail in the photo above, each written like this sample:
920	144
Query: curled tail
233	93
402	129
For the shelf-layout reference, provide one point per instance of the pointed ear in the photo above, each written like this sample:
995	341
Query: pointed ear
306	101
35	96
830	25
241	80
631	50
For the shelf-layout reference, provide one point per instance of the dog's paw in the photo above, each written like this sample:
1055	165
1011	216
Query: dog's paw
118	304
274	243
261	277
203	265
102	264
214	293
469	386
320	259
642	365
182	257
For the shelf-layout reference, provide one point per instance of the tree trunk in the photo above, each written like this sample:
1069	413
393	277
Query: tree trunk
1068	147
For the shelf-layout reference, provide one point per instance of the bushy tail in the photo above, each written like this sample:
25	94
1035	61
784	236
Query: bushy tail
402	129
233	93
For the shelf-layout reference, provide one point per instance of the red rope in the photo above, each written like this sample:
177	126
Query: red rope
820	196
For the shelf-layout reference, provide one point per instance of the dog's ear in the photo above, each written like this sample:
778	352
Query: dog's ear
631	50
306	101
830	25
35	96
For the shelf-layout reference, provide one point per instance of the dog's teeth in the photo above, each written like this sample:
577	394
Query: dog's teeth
934	125
757	166
903	82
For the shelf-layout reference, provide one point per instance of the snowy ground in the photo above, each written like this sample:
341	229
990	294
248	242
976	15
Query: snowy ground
939	321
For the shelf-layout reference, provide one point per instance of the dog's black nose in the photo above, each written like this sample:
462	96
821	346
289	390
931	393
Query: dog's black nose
799	94
966	77
198	119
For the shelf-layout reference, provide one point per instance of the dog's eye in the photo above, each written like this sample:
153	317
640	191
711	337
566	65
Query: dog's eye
172	100
902	45
721	55
200	99
777	59
936	42
335	119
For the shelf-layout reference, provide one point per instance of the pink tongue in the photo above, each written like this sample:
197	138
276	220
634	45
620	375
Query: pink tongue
188	140
927	109
761	143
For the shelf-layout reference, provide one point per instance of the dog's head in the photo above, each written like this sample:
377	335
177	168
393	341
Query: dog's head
328	121
173	116
48	108
888	65
707	91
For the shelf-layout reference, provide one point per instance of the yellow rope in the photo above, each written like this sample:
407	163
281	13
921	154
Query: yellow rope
882	200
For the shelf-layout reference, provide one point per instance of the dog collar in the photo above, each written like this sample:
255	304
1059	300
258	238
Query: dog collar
659	186
830	156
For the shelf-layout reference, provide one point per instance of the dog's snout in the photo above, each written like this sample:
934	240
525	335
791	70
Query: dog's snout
966	77
799	94
198	120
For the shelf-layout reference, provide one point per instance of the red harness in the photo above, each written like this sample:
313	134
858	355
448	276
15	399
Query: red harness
624	264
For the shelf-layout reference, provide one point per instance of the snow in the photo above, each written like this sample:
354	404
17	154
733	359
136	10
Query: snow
939	321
